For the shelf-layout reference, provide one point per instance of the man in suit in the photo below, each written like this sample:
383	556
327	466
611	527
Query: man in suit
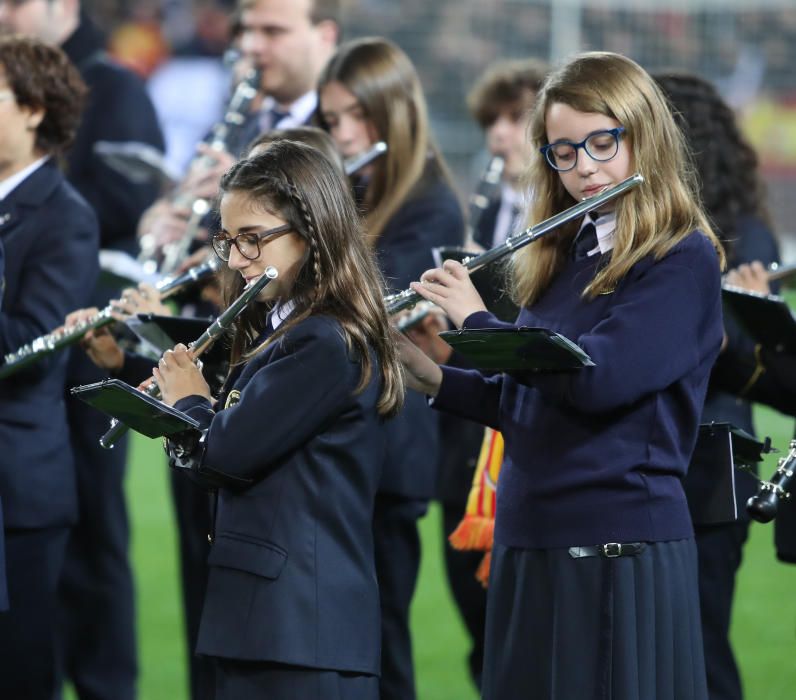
98	644
289	42
50	237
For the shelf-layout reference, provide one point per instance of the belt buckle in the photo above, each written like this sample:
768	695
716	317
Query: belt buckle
611	550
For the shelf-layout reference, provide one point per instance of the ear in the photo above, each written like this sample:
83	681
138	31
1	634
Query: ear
329	32
34	117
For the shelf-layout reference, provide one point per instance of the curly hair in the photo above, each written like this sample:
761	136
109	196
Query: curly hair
726	165
42	77
505	85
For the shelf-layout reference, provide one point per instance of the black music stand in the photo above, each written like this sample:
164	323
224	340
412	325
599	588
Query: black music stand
134	408
766	317
721	448
517	349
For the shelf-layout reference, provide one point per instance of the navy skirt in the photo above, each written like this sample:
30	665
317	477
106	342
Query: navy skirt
594	628
255	680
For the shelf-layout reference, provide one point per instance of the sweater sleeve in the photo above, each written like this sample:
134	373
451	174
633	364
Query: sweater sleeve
664	324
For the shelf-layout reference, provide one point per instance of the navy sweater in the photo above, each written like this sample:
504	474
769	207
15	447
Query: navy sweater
597	455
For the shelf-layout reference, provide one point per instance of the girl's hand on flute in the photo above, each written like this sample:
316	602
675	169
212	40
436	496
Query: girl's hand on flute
450	288
99	343
178	376
752	277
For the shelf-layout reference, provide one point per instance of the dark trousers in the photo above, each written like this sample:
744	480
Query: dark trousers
468	593
192	508
250	680
397	550
97	615
28	629
719	549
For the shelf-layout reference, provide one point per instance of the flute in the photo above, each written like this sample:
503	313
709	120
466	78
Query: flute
202	343
64	337
408	298
355	163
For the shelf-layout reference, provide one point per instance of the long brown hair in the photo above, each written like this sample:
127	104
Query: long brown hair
387	87
650	219
338	276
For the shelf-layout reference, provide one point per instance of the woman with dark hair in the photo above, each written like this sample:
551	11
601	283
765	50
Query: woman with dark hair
371	92
295	442
732	195
51	240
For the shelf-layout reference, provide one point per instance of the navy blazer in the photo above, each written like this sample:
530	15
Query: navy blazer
292	575
431	217
51	240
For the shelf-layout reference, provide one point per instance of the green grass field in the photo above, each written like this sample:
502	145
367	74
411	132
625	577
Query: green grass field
764	626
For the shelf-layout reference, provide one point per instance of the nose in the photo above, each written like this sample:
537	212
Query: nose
586	165
236	260
253	44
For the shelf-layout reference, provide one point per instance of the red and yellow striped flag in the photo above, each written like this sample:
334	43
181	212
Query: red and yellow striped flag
477	528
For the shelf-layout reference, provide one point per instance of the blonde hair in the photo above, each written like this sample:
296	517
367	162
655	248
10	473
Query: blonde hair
650	219
387	87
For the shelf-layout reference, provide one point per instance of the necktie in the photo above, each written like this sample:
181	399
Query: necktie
276	115
585	242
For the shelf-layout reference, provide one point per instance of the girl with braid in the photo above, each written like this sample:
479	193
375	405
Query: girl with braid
295	442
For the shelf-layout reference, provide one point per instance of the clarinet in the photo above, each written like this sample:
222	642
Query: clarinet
485	192
408	298
200	345
356	163
52	342
172	254
764	504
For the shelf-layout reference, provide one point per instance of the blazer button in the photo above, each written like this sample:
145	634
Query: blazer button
210	538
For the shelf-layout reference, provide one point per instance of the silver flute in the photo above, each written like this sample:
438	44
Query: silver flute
202	343
408	298
355	163
64	337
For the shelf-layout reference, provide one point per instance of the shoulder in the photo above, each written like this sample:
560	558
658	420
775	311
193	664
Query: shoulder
694	252
316	334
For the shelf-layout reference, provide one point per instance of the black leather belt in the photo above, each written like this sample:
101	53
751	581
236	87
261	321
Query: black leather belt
609	551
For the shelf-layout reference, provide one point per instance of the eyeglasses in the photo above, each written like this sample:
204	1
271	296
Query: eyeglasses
248	244
601	146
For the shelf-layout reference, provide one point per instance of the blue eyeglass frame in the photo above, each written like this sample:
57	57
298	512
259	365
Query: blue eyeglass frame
616	132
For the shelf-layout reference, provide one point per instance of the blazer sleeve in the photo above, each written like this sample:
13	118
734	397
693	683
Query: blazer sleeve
433	218
301	387
58	278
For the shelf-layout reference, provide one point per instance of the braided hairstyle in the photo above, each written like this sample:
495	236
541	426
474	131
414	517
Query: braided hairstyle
338	276
726	165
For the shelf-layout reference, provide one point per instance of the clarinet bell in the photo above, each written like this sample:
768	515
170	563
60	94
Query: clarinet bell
762	507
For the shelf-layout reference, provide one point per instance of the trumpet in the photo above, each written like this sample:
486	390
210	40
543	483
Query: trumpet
168	258
52	342
356	163
764	504
408	298
201	344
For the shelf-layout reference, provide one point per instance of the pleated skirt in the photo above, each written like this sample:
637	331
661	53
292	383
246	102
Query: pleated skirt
593	628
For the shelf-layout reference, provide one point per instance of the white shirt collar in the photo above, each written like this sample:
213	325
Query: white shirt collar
8	185
605	227
280	312
299	112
